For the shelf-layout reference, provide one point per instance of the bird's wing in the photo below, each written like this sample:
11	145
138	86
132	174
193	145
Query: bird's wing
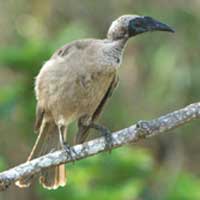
108	94
83	130
38	118
61	52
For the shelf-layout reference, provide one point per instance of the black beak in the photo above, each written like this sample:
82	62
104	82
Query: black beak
154	25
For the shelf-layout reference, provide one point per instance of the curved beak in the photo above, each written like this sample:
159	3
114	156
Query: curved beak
155	25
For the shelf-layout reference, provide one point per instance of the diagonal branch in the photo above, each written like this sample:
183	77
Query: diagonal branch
142	129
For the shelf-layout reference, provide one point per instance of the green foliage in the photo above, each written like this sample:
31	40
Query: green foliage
3	164
186	187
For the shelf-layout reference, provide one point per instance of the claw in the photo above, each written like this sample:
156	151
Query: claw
70	151
106	133
109	141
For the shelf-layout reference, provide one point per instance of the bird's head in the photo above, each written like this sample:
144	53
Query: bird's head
130	25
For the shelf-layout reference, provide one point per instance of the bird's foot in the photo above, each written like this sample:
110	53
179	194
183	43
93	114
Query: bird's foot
106	133
109	140
70	151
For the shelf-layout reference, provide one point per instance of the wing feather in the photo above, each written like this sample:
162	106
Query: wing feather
83	130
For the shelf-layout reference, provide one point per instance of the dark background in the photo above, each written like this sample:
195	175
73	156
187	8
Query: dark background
160	73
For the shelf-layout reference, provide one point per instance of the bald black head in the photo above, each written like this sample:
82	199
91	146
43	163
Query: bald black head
130	25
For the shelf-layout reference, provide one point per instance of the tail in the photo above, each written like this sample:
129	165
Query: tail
48	140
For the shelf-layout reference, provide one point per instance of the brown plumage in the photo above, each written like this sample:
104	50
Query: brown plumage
74	84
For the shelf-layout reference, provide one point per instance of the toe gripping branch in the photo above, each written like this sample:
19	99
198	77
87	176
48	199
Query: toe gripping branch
66	147
104	132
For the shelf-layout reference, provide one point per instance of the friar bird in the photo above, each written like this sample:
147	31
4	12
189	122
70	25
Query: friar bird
74	84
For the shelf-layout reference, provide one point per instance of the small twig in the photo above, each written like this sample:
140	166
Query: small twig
133	133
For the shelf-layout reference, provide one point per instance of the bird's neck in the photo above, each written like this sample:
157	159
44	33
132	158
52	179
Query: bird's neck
114	51
118	45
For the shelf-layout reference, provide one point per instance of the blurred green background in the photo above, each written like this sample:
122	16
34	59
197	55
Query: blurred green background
160	73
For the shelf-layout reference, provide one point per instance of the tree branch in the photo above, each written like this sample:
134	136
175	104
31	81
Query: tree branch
142	129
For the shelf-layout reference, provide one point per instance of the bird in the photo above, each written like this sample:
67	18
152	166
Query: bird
74	85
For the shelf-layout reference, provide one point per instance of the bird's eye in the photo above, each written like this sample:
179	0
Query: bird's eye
138	23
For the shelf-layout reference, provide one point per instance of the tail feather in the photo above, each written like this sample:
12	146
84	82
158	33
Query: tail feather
48	140
59	177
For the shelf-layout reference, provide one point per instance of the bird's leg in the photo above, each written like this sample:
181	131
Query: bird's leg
64	144
83	131
105	132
